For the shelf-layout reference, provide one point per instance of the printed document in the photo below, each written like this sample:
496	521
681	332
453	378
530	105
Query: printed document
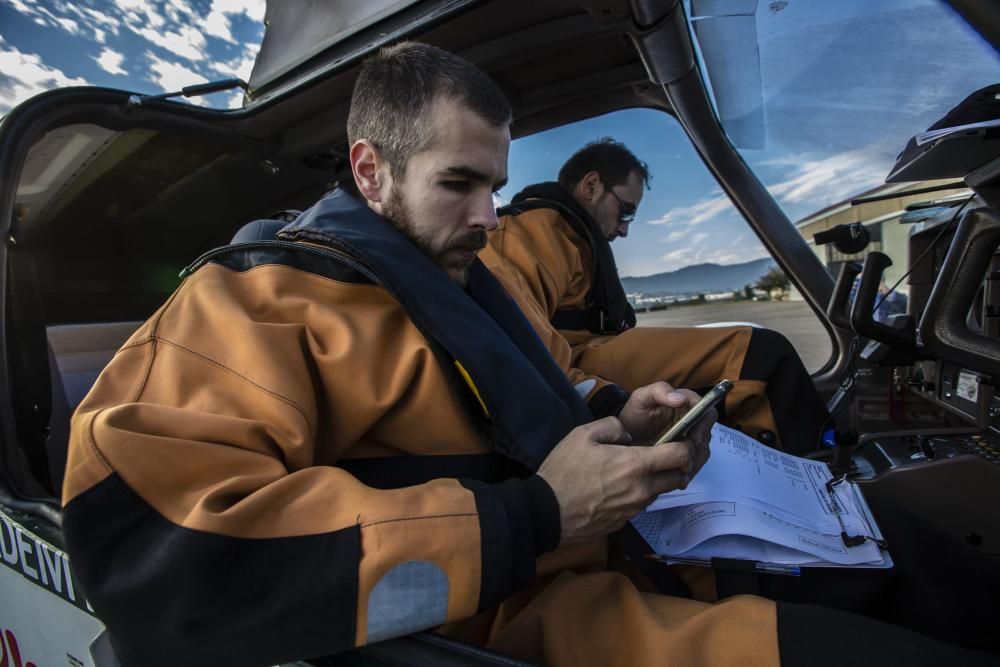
756	503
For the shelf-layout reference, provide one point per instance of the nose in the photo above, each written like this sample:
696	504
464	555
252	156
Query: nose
623	229
483	214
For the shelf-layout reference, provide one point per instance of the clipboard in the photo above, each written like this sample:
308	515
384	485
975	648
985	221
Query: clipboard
873	534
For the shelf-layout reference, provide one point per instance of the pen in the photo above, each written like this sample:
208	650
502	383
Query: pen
763	568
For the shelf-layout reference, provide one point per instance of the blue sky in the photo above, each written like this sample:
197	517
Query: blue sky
132	44
661	239
842	85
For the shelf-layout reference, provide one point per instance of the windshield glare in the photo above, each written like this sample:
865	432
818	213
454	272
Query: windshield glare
820	97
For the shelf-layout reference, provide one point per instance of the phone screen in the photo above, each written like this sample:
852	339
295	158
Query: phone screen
707	402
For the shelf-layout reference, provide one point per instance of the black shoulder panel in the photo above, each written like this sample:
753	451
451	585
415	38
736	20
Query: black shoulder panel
396	472
212	593
320	261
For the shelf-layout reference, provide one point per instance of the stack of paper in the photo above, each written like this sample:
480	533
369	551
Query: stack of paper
756	503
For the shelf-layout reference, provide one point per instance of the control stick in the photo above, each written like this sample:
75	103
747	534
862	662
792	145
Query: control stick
863	313
836	309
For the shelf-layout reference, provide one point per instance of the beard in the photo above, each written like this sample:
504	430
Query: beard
398	212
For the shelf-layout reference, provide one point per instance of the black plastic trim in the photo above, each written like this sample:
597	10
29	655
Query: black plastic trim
836	309
426	648
984	17
943	328
665	47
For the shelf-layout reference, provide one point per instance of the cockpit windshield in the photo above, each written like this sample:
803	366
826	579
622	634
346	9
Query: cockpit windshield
820	97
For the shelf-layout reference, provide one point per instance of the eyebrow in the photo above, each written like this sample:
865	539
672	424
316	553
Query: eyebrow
475	175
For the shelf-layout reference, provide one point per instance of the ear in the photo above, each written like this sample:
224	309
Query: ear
371	174
590	188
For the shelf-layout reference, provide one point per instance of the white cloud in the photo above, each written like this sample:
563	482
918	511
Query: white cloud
680	256
254	9
716	245
109	23
111	62
706	254
177	33
141	13
178	11
815	181
241	66
23	6
69	25
236	100
171	76
187	42
697	213
57	14
24	75
42	16
827	180
821	181
218	22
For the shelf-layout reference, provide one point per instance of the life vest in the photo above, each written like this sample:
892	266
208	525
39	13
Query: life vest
608	310
523	403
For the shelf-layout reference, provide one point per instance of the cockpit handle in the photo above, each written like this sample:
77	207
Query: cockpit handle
863	312
836	310
943	327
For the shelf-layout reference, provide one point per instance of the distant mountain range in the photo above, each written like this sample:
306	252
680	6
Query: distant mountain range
700	278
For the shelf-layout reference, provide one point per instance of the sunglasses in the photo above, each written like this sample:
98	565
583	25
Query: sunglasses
626	209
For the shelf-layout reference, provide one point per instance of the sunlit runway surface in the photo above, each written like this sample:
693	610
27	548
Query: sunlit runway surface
793	318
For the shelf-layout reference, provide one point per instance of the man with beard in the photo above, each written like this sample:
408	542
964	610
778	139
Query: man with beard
354	434
556	236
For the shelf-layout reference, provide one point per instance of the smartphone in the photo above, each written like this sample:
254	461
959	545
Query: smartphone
707	402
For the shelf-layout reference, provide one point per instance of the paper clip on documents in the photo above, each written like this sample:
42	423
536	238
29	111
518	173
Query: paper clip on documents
849	540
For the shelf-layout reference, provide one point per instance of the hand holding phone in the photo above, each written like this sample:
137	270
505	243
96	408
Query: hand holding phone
685	423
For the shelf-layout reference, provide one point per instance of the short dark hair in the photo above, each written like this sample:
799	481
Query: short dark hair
395	90
611	159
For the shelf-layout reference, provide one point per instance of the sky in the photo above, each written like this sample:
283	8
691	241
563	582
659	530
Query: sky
148	47
842	86
835	90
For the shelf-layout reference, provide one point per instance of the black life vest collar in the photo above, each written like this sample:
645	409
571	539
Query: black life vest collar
530	402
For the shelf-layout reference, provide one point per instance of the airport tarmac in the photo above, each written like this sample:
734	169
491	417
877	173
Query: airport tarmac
795	319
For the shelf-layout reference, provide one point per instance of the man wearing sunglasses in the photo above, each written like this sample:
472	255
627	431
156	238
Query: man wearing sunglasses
557	237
